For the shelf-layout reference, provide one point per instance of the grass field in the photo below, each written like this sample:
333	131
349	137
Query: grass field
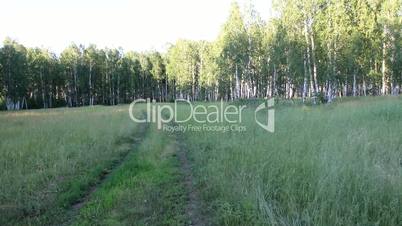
50	158
338	164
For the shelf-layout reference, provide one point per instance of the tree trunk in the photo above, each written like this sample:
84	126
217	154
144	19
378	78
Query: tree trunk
91	100
329	92
393	55
384	89
75	86
274	90
364	87
166	89
354	83
118	90
304	94
237	83
345	88
42	88
312	90
314	64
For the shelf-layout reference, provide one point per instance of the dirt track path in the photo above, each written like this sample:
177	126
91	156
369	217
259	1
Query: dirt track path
135	141
193	205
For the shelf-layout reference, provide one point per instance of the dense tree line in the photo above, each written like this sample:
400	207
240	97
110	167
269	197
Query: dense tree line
37	78
314	50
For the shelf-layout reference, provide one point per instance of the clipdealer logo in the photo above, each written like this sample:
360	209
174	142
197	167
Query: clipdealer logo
270	124
204	115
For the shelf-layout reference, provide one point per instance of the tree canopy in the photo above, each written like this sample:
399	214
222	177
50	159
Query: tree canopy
315	50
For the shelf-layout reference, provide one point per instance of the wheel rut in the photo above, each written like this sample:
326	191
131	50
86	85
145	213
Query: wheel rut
193	205
135	140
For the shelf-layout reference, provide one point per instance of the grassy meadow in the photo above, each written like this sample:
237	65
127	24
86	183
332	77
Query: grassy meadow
337	164
50	158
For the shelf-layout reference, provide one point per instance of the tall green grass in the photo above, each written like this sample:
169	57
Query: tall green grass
338	164
146	190
49	158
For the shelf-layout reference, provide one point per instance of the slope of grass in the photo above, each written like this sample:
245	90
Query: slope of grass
146	190
49	158
338	164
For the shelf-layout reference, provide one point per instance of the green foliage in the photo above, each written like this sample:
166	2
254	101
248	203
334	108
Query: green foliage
183	65
313	47
13	58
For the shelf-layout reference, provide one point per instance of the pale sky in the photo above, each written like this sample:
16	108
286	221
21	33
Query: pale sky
134	25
